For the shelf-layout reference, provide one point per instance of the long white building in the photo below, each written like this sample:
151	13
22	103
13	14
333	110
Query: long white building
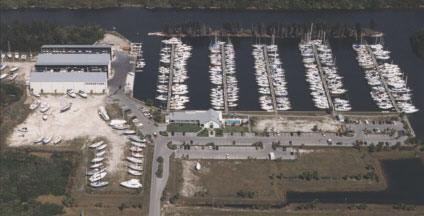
60	82
80	68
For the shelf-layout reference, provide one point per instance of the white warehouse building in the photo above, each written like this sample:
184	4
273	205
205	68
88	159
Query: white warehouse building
60	82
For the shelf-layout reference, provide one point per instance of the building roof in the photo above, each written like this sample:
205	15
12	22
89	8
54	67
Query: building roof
87	77
73	59
202	116
76	46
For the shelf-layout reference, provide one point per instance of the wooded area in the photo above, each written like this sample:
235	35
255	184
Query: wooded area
30	37
417	43
24	177
226	4
278	30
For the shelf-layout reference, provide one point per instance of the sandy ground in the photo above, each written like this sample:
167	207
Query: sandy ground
118	43
81	120
302	125
190	179
24	69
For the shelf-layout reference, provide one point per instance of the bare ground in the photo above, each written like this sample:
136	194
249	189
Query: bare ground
270	180
285	124
81	120
190	179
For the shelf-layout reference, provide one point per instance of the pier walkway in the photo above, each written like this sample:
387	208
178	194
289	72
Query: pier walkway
269	76
374	60
323	80
392	99
171	76
224	77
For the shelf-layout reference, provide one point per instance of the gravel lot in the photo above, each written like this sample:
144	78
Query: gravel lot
80	121
303	125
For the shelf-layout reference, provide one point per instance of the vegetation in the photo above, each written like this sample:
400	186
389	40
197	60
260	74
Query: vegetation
159	171
203	133
24	177
30	37
12	109
246	194
239	4
172	146
157	116
235	129
417	43
9	94
183	127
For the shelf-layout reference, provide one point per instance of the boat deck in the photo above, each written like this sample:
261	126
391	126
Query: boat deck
224	77
269	76
323	79
171	75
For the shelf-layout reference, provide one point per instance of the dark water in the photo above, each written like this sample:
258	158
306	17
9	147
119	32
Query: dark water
398	26
405	180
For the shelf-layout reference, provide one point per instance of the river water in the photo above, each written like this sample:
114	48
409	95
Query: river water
134	23
404	185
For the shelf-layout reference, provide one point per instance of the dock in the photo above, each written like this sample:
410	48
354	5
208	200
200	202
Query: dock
224	77
375	63
171	76
269	76
323	80
386	88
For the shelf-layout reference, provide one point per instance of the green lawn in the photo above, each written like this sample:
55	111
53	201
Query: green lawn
183	127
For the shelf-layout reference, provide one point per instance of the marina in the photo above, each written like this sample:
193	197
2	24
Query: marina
270	78
359	97
224	94
321	72
171	87
389	87
137	52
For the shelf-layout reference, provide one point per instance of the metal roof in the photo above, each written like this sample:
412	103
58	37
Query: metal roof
73	59
76	46
92	77
199	115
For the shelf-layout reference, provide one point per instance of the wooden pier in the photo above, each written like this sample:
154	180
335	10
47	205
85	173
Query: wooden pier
224	77
323	80
386	88
171	76
269	76
375	63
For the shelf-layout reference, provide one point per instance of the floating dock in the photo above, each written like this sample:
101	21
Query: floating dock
374	60
269	76
323	79
224	77
171	76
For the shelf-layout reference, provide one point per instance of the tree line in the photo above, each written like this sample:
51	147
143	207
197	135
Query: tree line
30	37
224	4
277	30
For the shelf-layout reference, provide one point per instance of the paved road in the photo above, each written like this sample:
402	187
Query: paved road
158	184
235	152
121	65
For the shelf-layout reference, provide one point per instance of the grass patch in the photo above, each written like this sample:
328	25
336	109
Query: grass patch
183	127
203	133
235	129
13	111
159	171
258	182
